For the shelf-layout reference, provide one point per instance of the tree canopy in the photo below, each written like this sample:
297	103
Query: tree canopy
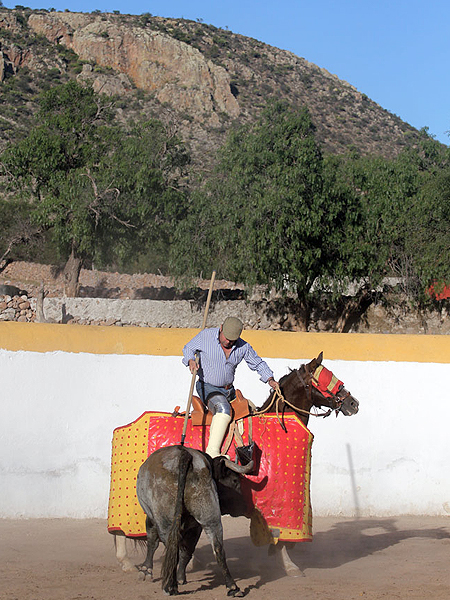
404	209
280	213
427	231
104	190
277	212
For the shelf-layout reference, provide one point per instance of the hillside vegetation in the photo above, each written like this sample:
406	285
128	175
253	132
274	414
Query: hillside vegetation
203	78
143	143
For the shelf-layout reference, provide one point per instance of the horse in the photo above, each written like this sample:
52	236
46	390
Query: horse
303	391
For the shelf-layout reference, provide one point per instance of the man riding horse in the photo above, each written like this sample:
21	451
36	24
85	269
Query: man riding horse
214	355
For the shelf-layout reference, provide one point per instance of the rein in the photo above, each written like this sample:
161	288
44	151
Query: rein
278	397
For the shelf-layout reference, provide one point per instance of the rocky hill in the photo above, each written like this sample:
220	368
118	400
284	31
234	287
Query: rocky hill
196	76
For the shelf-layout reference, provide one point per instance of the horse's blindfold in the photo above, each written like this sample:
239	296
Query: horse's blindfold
327	383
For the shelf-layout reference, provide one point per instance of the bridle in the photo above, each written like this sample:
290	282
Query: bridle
337	401
280	401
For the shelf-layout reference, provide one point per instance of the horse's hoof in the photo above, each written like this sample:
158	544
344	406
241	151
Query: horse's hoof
144	572
127	566
294	572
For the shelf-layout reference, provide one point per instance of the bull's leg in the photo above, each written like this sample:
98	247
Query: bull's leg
188	543
195	564
146	568
215	536
121	553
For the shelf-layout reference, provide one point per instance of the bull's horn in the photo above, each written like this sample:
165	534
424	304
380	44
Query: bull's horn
239	468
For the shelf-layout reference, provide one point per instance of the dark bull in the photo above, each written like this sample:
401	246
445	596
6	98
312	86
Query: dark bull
183	491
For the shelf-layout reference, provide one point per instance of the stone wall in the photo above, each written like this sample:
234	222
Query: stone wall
149	300
17	308
261	314
151	313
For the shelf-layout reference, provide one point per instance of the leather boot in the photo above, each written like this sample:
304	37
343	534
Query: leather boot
217	430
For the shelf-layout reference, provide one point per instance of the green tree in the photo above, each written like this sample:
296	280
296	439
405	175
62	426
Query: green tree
268	218
427	232
404	205
384	188
19	236
281	214
103	190
402	217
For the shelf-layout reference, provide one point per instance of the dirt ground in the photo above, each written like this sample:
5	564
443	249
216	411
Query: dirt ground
103	284
399	557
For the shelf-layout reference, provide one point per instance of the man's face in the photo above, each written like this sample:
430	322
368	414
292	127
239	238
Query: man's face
225	342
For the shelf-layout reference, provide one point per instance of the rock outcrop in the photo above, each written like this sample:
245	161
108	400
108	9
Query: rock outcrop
200	79
175	72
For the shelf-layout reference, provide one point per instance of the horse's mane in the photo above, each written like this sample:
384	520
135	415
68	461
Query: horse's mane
282	380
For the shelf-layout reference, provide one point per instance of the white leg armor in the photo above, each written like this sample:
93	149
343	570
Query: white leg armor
219	425
221	410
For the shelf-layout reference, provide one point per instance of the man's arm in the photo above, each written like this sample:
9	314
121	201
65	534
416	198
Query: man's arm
190	351
256	363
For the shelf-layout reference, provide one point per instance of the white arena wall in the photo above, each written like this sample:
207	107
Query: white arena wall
65	388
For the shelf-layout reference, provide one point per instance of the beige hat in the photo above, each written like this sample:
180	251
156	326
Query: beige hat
232	328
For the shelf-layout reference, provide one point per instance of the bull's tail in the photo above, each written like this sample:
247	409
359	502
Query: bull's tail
170	562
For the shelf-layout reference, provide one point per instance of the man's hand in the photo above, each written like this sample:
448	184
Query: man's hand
193	366
273	384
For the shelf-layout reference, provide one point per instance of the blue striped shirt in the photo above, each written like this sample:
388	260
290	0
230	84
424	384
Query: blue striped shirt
215	368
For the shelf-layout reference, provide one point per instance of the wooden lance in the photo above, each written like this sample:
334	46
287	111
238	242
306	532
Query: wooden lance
194	374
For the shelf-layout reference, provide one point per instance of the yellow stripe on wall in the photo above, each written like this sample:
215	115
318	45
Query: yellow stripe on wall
44	337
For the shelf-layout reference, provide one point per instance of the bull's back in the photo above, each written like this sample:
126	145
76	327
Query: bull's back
157	486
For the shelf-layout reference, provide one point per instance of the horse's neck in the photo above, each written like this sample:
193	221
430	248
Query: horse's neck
268	403
296	395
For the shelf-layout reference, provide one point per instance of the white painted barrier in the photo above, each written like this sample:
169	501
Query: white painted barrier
59	408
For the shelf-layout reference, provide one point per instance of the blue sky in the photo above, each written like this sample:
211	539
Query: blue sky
396	52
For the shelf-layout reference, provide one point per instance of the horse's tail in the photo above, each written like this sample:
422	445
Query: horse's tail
170	562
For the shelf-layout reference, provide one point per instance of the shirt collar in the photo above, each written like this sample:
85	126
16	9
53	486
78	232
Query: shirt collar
235	345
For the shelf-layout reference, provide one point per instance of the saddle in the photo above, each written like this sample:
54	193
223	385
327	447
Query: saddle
200	415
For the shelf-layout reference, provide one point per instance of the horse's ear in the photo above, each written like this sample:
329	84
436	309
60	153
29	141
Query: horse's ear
312	366
315	363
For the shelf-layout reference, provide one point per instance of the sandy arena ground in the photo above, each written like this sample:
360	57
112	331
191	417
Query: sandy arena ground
404	557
